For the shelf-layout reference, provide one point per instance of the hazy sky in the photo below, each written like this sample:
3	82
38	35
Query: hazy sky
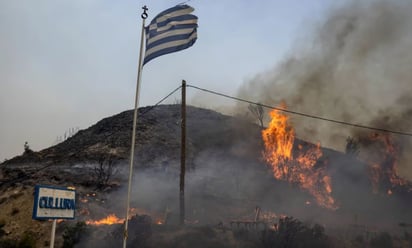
70	63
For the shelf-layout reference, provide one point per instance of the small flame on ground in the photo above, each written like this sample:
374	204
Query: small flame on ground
112	219
109	220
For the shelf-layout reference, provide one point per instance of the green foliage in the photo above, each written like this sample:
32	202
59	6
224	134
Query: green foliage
72	234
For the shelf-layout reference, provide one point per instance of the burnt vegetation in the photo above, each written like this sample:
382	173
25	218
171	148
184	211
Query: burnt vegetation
356	69
352	147
226	177
257	112
104	171
290	232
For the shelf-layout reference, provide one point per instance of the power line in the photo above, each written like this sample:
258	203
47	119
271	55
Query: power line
301	114
160	101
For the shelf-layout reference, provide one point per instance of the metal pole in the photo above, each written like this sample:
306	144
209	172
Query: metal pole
53	233
183	155
136	106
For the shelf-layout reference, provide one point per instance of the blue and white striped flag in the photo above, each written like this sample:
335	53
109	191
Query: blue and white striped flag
170	31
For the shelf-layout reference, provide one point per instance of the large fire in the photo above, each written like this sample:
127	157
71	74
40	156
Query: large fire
296	167
382	154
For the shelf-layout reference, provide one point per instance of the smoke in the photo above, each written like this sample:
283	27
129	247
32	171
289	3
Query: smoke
220	187
355	68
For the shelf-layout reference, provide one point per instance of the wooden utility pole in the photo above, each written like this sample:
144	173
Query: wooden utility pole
183	155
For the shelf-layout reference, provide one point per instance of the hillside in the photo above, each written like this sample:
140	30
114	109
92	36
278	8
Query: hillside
158	133
227	177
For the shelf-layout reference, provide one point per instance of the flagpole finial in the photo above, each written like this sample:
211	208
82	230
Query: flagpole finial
144	14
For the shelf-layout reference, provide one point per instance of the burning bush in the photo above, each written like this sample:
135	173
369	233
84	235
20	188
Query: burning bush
382	153
299	166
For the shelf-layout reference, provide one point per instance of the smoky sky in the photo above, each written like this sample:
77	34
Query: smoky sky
354	66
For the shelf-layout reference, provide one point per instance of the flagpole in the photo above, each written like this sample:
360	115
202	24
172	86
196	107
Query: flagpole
136	106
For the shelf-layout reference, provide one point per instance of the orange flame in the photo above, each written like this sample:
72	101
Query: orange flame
279	141
382	157
109	220
112	219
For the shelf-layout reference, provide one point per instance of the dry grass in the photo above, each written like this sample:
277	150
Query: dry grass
16	212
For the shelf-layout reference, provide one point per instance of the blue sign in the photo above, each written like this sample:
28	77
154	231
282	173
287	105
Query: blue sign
54	202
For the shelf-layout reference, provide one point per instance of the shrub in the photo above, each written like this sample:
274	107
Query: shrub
72	234
27	149
293	233
352	147
2	232
383	240
28	240
104	171
257	111
359	241
14	211
8	243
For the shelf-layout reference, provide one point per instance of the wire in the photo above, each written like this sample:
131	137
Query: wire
301	114
160	101
185	2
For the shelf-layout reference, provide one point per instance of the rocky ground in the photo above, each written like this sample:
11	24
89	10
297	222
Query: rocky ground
226	180
72	162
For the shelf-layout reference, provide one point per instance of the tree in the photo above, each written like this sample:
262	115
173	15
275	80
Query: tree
27	148
352	147
257	111
104	171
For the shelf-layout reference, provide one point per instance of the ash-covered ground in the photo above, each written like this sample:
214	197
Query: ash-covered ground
226	181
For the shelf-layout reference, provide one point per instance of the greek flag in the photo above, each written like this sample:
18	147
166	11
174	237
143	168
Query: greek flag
170	31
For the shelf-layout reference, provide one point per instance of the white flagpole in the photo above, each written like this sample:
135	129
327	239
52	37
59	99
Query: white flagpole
136	106
53	233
